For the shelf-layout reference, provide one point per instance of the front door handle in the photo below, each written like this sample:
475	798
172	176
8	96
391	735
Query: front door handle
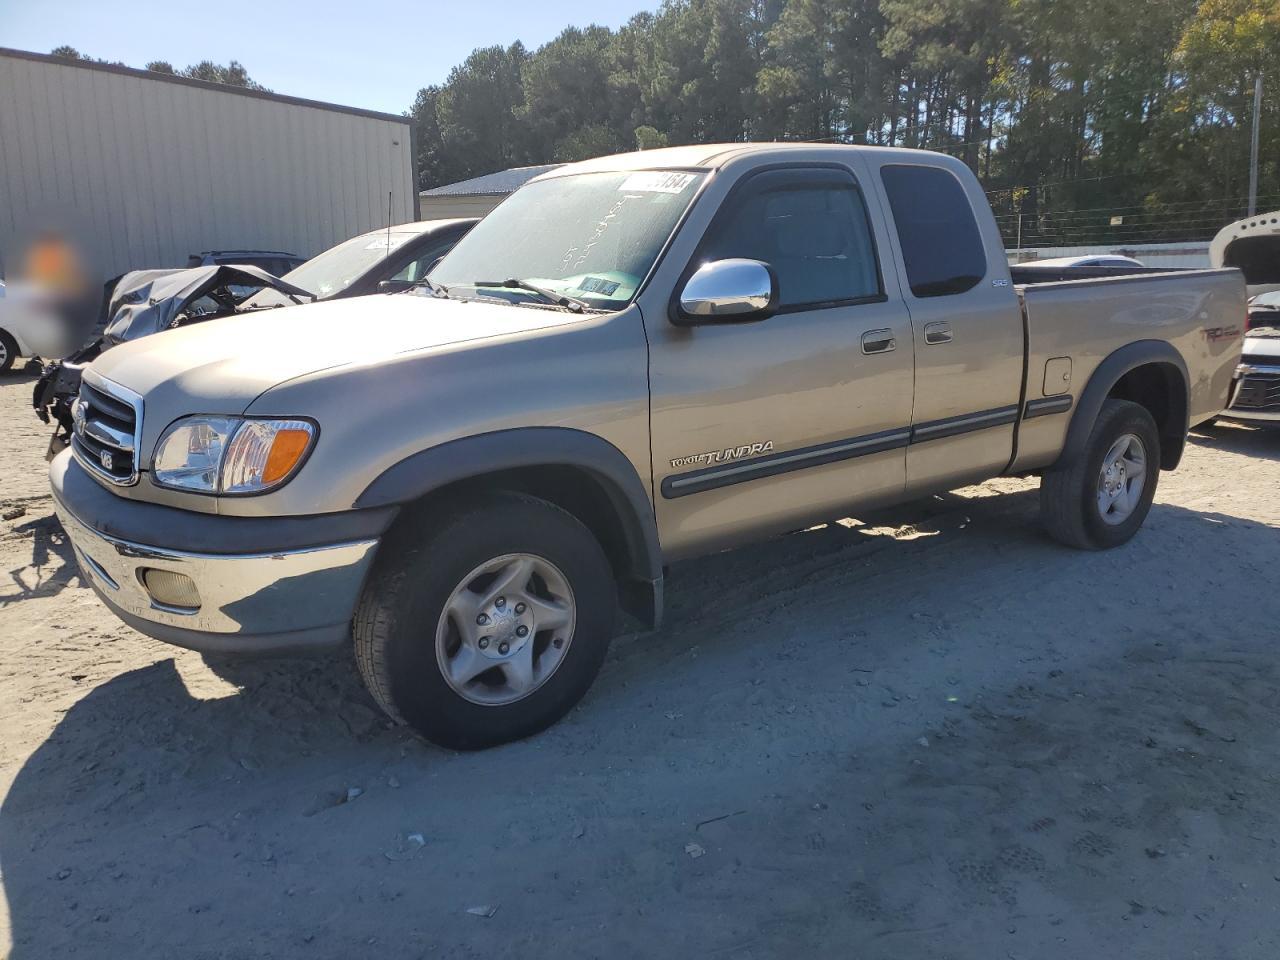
937	332
878	341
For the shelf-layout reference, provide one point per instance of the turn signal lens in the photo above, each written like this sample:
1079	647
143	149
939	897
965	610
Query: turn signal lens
264	453
286	450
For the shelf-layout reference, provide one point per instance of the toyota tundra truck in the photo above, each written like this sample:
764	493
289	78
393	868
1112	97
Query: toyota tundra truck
632	360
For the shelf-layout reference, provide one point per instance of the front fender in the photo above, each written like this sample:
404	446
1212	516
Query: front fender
437	467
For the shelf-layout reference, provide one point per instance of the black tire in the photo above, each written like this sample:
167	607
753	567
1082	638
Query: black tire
1069	496
8	352
419	566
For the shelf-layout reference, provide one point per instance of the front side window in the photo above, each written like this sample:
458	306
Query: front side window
416	269
941	244
810	226
590	236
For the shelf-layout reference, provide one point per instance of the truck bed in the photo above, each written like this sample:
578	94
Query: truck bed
1075	317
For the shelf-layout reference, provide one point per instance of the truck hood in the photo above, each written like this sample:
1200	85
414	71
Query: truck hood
222	365
1261	342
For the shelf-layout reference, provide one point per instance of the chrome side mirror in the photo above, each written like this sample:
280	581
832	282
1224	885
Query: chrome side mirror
727	291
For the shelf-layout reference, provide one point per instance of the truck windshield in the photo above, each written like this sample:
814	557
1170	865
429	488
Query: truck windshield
332	271
589	236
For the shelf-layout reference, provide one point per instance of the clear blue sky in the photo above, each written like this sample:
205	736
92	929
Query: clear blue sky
372	53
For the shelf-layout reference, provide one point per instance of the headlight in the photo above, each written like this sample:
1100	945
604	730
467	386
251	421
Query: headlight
231	455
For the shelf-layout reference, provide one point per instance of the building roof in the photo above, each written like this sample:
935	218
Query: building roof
491	184
203	84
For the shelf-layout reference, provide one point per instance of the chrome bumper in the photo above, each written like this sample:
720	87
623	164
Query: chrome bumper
247	603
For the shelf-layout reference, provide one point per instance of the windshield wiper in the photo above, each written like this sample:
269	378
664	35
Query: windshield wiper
559	299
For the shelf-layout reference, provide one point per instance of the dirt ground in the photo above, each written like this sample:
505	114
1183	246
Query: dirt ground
933	734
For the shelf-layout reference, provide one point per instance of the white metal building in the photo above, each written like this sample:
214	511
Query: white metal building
146	168
1183	255
477	196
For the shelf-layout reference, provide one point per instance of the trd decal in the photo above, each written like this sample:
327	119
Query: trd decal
1214	334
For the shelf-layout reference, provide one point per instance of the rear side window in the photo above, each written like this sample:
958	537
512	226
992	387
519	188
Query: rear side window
810	226
941	244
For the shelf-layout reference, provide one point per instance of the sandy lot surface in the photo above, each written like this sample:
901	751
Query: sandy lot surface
930	734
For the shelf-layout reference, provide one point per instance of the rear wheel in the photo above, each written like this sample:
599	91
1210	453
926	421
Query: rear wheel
8	352
486	624
1102	499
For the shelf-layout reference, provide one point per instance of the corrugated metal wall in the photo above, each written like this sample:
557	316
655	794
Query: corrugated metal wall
448	207
147	171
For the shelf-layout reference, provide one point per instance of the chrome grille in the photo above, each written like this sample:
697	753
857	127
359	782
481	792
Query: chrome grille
1258	393
108	429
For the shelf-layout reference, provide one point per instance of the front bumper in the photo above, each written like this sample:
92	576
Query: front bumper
260	601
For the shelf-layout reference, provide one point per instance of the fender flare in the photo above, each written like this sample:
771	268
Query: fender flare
436	467
1107	375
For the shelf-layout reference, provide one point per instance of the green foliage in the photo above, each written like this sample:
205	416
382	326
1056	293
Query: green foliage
1071	113
233	74
648	138
1208	124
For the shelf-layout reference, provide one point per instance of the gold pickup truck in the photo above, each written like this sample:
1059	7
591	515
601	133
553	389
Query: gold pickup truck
632	359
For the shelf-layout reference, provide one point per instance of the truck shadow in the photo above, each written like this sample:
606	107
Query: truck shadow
294	784
52	568
1262	443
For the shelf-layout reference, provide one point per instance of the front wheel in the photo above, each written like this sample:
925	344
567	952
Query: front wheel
486	624
1102	499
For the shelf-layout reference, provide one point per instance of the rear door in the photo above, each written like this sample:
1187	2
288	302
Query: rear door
965	320
759	426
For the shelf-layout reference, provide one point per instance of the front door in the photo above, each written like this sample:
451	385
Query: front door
768	425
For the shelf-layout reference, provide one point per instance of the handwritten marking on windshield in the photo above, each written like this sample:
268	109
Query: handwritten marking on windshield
601	226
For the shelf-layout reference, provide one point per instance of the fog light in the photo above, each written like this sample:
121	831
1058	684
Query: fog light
170	589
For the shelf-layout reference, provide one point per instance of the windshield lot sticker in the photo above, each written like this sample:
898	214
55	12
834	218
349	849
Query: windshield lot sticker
598	285
657	181
386	243
723	456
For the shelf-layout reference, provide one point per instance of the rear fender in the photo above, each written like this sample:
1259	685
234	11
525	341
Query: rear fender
1173	432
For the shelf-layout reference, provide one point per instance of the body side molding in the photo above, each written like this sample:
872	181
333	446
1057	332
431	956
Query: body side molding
696	481
965	423
1044	406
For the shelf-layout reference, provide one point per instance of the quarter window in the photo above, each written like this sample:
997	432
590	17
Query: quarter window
811	227
941	244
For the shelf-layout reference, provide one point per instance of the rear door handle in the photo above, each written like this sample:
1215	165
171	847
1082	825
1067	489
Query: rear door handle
878	341
937	332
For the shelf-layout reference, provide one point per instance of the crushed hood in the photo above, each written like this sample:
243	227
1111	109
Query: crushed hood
148	301
1262	342
1253	246
222	365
